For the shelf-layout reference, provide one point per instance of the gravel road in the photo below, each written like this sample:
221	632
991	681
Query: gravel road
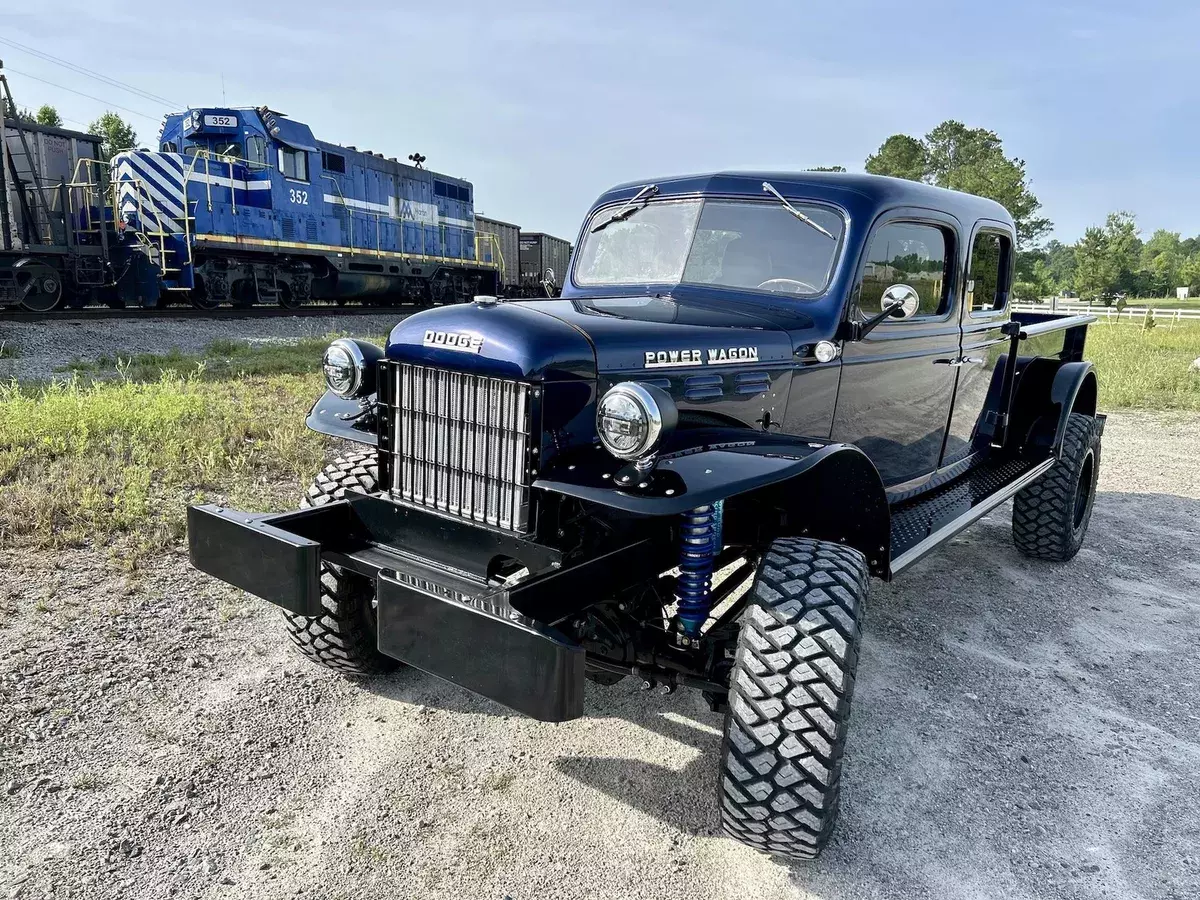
40	347
1021	730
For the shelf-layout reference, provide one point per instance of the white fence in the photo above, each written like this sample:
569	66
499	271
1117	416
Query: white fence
1110	315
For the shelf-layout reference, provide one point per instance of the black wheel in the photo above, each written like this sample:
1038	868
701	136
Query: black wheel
344	638
1051	516
287	297
199	296
789	697
42	285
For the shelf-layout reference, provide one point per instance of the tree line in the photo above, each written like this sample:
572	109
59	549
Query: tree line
1109	261
115	133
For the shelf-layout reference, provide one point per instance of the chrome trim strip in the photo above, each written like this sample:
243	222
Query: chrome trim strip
1059	324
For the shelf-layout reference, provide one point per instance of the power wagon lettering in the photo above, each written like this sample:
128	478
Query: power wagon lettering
717	356
462	341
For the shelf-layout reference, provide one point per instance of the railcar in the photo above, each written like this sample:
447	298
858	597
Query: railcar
544	261
52	239
247	206
506	244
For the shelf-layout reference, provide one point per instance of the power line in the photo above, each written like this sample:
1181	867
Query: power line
82	94
88	72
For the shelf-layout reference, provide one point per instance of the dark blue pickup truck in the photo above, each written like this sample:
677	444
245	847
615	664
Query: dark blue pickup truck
757	391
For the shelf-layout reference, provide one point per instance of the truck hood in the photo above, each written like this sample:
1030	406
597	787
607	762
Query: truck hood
662	333
507	340
572	339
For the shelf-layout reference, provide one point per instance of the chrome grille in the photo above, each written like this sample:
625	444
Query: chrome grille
460	443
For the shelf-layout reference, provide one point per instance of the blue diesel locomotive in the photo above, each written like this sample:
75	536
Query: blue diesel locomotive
247	206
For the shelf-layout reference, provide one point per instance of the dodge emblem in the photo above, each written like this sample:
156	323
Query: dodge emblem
463	341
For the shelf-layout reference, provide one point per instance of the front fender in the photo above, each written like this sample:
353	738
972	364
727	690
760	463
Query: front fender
350	420
824	490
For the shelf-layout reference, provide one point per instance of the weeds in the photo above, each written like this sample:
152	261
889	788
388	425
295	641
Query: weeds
1146	369
222	358
82	462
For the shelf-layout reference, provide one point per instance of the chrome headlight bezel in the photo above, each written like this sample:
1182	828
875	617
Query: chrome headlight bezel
345	356
657	413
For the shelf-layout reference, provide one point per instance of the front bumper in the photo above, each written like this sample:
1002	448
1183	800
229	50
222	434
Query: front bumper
436	610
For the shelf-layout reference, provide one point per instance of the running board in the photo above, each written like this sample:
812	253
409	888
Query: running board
923	524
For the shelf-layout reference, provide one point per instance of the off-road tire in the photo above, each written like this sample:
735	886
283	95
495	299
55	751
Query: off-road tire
1051	516
789	697
344	638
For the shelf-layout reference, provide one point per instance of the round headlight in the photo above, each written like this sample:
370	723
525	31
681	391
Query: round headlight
632	419
344	367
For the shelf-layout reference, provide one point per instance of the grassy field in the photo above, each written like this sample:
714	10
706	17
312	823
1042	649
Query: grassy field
1146	369
119	449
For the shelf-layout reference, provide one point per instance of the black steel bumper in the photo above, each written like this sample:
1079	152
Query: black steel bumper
436	610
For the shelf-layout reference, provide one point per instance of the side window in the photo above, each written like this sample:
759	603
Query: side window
293	163
909	254
333	162
987	283
169	147
256	151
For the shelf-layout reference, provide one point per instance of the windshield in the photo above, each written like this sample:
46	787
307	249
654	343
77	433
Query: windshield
737	244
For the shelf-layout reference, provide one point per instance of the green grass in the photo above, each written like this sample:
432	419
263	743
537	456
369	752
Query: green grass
9	350
1148	369
85	462
222	359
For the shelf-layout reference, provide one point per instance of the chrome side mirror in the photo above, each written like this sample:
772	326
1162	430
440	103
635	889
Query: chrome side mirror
902	299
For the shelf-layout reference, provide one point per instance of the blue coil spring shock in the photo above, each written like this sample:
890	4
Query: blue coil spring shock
700	539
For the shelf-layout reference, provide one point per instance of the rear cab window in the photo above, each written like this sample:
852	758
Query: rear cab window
989	278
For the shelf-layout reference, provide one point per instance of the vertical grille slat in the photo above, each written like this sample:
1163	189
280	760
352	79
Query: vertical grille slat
460	442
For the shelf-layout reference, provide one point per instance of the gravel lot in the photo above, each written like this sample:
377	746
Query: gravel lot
1021	729
42	346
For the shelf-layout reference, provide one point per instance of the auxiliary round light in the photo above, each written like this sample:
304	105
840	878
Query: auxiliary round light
825	351
632	419
344	368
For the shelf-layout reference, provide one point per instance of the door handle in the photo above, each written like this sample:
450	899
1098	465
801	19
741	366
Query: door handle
947	362
959	361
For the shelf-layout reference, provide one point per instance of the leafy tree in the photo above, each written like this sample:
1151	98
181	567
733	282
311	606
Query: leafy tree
900	156
1106	259
48	115
1095	272
116	134
965	159
828	169
1125	250
1060	265
1162	257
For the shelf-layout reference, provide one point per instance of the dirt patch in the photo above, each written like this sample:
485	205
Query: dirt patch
1020	729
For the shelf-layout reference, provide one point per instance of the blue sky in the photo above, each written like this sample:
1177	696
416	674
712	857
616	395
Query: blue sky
544	105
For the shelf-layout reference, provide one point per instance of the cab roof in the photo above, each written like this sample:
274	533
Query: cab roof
863	196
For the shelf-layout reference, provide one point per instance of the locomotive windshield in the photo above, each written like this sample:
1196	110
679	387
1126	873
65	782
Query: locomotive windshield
728	243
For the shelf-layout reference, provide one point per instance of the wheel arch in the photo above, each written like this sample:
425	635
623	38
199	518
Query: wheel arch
772	486
1047	403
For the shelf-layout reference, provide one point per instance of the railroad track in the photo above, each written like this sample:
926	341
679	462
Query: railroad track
188	312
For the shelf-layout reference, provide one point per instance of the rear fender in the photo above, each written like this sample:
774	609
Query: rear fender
1073	390
778	486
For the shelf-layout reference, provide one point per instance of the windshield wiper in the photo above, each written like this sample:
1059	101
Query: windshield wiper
629	208
770	189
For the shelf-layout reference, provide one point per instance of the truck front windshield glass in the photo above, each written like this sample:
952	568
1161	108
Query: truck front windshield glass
728	243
